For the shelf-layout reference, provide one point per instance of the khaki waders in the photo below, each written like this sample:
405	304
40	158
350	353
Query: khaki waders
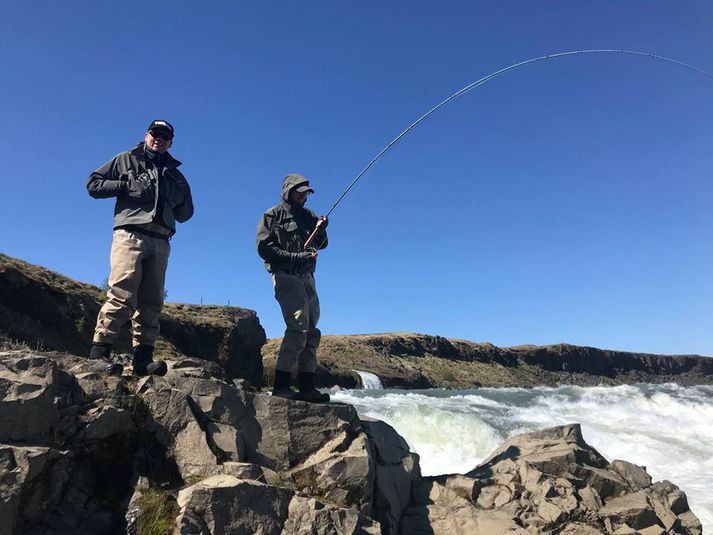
136	288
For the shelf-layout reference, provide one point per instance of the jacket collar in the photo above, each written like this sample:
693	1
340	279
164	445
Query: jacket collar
139	153
291	208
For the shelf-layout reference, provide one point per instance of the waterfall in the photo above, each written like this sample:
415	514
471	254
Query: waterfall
369	381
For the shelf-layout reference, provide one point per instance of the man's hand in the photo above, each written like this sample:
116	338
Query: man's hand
303	256
138	187
322	221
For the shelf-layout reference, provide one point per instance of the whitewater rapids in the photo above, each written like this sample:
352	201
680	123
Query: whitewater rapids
666	428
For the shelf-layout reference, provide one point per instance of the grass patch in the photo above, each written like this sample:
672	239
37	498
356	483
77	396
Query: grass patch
158	510
307	483
8	343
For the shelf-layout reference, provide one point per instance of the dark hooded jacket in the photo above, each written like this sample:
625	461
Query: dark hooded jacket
144	192
284	229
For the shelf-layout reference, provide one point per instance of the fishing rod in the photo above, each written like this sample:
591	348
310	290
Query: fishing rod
478	83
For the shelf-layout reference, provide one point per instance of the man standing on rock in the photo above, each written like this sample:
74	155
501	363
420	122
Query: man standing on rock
151	195
281	236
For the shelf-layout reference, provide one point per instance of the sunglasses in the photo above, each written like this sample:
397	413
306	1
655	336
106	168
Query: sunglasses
160	135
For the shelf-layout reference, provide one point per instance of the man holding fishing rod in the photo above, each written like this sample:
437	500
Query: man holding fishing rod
288	238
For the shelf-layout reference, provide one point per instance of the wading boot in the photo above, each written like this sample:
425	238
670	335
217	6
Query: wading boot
144	364
100	354
305	383
281	388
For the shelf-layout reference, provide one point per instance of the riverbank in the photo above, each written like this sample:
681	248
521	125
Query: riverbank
410	360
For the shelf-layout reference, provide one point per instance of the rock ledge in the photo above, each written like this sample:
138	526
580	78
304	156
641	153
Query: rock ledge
82	452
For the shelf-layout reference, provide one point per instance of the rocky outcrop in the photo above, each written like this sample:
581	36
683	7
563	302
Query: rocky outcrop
403	360
81	451
397	469
549	481
196	452
45	310
64	453
227	504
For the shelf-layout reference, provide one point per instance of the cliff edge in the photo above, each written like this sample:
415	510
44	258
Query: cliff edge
409	360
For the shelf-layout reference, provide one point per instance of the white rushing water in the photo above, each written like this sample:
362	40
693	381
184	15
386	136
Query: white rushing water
369	381
666	428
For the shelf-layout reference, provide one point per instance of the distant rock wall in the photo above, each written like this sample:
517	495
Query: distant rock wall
407	360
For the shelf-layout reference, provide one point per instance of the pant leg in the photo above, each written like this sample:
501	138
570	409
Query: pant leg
292	297
307	361
149	303
124	280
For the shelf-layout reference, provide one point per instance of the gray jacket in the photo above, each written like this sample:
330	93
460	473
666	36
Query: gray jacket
144	194
283	230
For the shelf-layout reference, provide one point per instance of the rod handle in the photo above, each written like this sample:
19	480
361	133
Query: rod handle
320	222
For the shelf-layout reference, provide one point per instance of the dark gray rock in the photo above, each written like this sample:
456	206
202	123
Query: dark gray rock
242	461
30	390
397	471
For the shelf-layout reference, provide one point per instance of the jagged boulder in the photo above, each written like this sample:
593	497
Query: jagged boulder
342	472
226	504
550	480
309	516
65	450
397	471
229	336
30	388
270	431
280	434
174	420
32	482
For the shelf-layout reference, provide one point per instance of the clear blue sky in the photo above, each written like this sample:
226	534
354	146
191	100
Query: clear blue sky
567	201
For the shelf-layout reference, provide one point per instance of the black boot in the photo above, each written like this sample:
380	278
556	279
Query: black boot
101	354
143	363
305	383
281	388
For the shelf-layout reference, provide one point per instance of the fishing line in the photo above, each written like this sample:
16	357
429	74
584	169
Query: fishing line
480	82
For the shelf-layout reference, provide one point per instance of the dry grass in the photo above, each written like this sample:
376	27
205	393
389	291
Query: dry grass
52	278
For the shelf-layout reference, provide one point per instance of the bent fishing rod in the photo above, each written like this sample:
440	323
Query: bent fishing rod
478	83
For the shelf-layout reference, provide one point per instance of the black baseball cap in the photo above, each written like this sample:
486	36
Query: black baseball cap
304	188
160	124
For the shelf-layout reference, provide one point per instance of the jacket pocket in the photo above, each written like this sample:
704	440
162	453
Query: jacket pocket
176	189
288	236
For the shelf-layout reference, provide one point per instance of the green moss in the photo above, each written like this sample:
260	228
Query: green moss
157	512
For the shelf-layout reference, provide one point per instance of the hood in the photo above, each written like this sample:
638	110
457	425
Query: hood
290	182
